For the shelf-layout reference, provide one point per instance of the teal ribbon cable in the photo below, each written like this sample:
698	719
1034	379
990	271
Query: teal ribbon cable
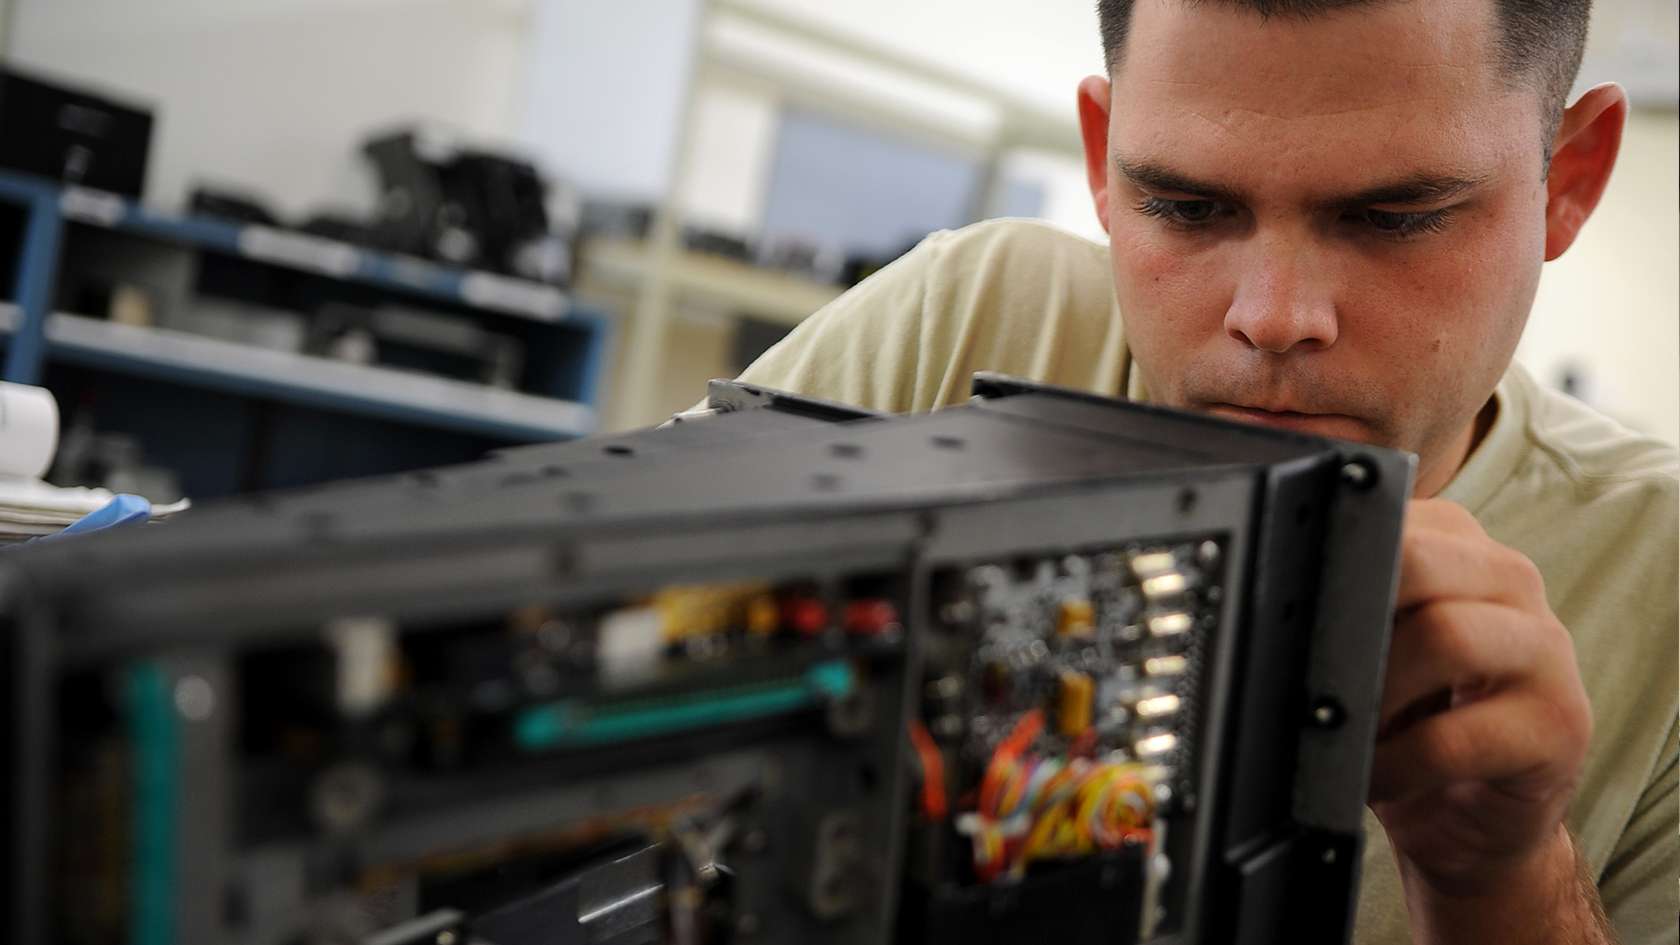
572	723
155	743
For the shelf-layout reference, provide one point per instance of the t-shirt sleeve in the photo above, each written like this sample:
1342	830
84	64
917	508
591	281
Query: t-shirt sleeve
1013	296
1640	885
864	347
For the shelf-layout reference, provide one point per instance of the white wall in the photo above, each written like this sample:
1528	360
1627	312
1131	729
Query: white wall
1036	50
758	72
1635	43
1067	198
728	171
276	94
605	90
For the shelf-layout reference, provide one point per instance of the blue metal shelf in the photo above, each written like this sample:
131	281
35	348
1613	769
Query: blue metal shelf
33	334
197	361
306	253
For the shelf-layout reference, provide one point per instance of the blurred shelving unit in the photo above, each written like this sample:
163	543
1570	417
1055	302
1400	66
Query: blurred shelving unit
741	44
215	365
623	266
234	414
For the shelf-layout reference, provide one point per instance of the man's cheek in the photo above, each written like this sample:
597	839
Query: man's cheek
1442	303
1176	293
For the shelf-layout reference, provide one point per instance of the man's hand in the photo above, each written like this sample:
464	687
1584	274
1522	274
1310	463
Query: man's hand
1483	730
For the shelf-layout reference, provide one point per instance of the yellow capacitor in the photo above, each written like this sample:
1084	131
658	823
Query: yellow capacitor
764	618
703	610
1074	702
1076	619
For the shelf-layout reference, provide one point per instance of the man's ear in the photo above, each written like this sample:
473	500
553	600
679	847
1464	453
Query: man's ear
1583	154
1093	127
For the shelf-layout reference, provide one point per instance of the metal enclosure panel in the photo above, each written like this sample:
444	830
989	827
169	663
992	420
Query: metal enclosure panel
777	488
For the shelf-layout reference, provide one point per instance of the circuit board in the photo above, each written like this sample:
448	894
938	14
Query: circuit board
1064	689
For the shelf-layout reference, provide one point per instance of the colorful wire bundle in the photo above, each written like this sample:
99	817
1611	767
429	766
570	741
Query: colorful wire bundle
1033	808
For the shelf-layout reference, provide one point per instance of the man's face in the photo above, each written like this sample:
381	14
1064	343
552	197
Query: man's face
1333	224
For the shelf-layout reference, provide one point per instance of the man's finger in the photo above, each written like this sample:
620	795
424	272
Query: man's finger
1442	515
1440	565
1445	645
1505	736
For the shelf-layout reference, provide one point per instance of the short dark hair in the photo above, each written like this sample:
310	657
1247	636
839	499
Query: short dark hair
1540	40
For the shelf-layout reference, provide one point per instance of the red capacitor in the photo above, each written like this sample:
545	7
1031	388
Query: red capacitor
806	615
868	618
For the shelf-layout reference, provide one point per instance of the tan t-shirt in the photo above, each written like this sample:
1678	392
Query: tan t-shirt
1592	503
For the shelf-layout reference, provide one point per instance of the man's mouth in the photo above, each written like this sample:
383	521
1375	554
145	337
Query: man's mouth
1340	426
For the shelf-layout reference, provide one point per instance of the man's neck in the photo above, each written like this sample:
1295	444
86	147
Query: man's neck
1435	478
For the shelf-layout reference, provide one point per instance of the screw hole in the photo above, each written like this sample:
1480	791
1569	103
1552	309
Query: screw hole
1186	501
949	442
618	449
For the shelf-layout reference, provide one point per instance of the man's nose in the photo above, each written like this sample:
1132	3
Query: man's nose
1283	302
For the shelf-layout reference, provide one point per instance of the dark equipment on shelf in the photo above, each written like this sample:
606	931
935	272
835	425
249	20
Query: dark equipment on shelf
1043	667
717	243
337	225
224	204
615	219
415	340
464	207
73	135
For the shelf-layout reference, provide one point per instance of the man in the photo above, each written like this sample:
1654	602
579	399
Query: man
1331	216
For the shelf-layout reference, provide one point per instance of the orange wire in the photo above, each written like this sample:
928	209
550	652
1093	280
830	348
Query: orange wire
1026	729
933	771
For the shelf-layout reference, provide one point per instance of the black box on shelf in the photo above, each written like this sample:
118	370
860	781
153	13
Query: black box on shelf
442	200
72	134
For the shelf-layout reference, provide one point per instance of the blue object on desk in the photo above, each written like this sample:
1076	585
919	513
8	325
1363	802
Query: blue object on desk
121	510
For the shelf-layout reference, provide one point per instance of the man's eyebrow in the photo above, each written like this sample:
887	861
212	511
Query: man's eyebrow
1156	177
1414	188
1418	188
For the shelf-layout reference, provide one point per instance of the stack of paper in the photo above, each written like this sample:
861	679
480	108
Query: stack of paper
29	508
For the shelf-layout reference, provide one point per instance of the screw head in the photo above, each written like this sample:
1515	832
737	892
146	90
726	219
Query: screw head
1327	712
195	699
1359	474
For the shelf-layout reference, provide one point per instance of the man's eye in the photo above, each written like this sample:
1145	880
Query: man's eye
1179	212
1396	224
